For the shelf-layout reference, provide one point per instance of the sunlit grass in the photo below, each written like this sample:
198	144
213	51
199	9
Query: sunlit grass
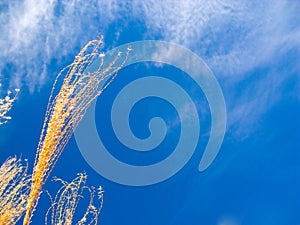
67	199
14	190
66	109
6	104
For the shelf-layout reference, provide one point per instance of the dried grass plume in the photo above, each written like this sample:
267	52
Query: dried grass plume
67	199
80	86
14	190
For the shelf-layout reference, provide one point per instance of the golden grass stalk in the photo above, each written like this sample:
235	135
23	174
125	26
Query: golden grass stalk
14	190
66	109
6	104
66	201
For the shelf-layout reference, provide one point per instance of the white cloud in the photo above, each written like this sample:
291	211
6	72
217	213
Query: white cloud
34	33
233	37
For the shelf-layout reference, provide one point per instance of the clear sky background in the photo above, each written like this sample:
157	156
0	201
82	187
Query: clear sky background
253	49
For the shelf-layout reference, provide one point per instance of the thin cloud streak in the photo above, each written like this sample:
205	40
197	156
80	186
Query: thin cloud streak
231	36
34	34
234	38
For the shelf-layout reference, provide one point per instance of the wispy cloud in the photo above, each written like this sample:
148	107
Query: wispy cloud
233	37
38	33
236	39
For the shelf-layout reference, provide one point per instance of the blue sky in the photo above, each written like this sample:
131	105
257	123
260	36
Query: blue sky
253	49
